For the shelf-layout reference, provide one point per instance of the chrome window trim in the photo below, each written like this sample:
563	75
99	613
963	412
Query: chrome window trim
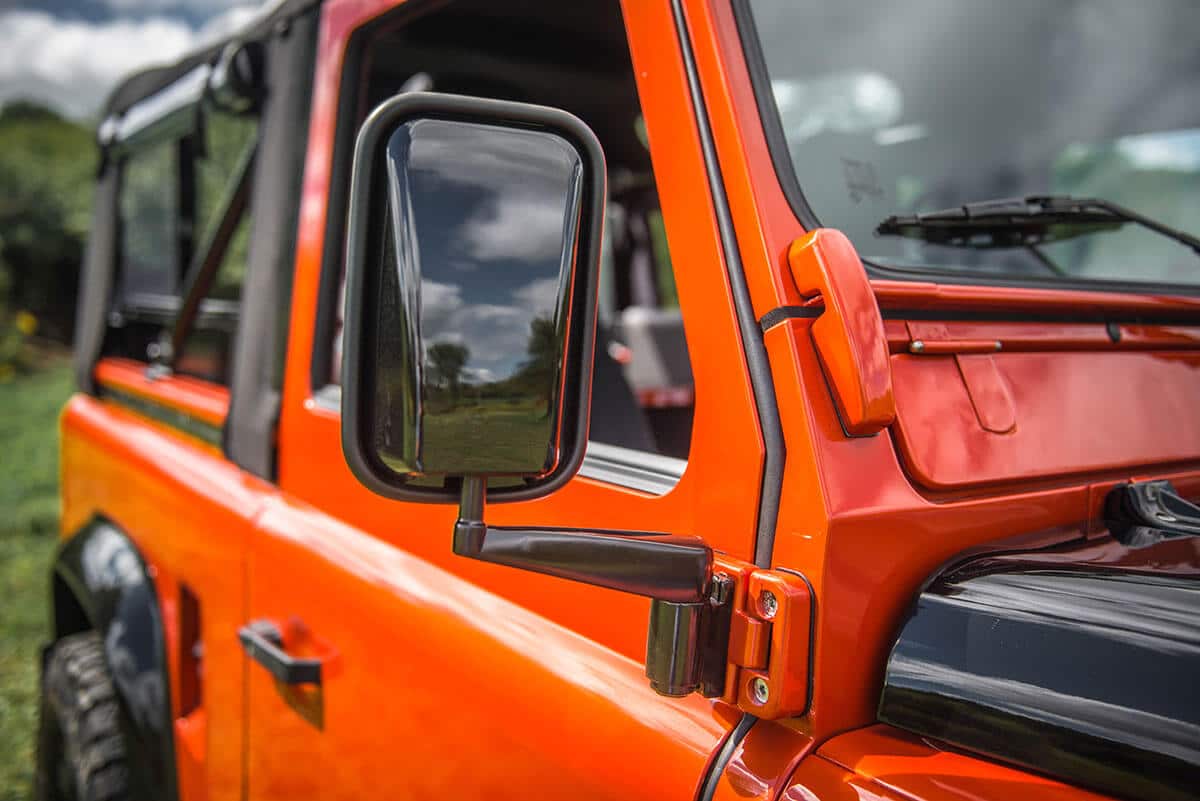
633	469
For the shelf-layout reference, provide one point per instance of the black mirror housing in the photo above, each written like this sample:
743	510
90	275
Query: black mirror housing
472	262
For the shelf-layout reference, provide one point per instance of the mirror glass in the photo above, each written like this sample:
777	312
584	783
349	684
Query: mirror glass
477	253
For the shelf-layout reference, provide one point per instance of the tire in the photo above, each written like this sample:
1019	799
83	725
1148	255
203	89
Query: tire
81	751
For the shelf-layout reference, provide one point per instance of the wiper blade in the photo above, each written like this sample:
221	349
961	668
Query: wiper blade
1022	222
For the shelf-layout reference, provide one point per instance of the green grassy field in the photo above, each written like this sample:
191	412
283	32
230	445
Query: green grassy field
29	407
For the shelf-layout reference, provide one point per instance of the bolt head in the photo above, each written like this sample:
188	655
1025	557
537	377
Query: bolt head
759	690
768	604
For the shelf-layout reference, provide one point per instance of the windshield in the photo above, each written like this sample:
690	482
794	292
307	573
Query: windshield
889	107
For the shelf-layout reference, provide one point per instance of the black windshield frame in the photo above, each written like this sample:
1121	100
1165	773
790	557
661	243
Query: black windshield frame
790	184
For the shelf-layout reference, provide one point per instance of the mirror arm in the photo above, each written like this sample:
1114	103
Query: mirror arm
674	571
665	567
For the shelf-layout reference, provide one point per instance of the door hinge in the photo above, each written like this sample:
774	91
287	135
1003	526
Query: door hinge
769	642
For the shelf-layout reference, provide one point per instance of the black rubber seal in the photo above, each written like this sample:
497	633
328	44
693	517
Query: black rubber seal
716	768
762	383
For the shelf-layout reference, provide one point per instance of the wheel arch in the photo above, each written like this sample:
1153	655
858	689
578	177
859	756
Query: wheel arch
101	581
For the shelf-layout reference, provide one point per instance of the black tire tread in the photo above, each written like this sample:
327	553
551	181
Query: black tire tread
79	694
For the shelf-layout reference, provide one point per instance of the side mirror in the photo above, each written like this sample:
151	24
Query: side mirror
472	257
472	261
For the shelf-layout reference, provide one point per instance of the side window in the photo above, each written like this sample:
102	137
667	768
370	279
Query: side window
150	245
184	227
574	58
227	139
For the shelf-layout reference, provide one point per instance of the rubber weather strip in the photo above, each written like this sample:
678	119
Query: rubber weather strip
716	769
762	384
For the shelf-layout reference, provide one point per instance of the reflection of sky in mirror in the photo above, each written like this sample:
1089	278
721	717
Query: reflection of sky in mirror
489	208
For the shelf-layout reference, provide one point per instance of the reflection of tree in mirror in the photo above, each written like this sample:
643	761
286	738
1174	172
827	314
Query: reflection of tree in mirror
537	373
446	361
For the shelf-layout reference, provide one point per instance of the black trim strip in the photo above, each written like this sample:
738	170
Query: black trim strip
161	413
716	768
781	313
762	384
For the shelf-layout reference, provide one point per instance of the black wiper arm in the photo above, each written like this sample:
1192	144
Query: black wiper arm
1022	222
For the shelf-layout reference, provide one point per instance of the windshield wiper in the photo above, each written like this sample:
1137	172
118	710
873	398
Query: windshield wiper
1023	222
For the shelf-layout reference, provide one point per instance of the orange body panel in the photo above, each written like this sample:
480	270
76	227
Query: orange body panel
912	768
451	677
198	399
191	513
1069	415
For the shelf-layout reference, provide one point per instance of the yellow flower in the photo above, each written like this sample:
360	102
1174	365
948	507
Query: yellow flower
26	323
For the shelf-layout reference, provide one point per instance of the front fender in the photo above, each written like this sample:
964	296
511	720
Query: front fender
101	582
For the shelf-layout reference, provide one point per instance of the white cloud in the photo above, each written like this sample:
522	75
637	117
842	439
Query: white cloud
166	6
73	65
539	296
526	228
495	334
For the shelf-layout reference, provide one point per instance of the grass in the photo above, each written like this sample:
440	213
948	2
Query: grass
29	407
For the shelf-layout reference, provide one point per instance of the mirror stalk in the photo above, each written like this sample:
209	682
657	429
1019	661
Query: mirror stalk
675	572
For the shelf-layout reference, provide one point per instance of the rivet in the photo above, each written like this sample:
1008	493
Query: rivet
768	604
759	690
917	346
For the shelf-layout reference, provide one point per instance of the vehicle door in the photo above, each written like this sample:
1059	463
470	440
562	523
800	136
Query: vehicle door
440	675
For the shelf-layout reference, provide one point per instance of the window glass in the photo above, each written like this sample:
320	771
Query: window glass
150	250
911	106
574	58
165	187
228	138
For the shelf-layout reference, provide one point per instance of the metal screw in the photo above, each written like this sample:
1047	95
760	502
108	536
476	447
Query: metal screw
760	690
768	603
917	346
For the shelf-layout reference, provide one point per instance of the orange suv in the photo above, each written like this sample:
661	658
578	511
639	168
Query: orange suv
698	400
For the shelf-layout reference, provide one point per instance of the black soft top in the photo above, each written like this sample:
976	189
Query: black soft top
150	80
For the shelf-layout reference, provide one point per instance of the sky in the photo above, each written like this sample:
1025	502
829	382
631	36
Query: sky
68	54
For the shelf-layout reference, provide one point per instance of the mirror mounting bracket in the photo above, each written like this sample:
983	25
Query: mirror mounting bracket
688	635
718	626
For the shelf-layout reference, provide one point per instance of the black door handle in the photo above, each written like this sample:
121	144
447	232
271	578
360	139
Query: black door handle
263	642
